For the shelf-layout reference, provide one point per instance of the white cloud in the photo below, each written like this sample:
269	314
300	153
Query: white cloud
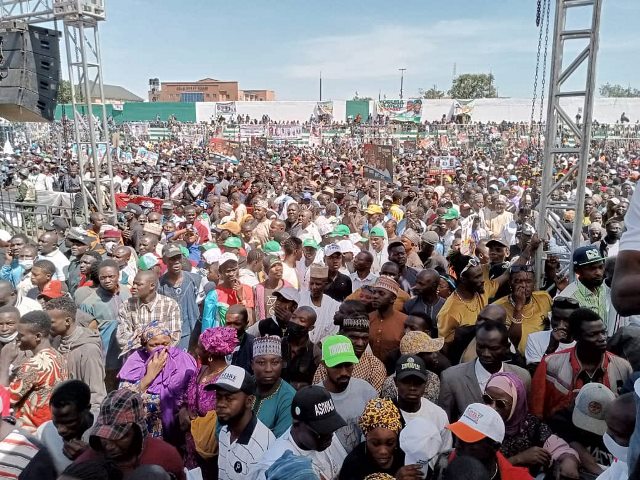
424	50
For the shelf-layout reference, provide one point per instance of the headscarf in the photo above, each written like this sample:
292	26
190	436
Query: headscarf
171	383
291	467
380	413
219	340
511	384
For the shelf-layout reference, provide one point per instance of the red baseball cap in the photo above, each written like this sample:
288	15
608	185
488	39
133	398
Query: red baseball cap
53	289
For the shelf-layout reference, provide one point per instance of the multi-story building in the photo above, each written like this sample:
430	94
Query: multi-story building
205	90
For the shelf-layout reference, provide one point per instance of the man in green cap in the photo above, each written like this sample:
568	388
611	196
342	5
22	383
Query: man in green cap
453	227
349	394
378	248
311	254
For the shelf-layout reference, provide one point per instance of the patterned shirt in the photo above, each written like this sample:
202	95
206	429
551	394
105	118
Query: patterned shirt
135	315
369	369
32	384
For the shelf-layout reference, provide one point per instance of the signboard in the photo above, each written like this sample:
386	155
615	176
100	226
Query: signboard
447	162
315	135
284	132
400	110
249	131
226	109
378	162
324	109
225	148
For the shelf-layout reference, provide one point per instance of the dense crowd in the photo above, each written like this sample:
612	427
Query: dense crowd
286	317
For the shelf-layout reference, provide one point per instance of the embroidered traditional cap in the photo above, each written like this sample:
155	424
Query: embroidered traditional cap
269	345
412	236
261	204
356	322
318	270
388	284
152	228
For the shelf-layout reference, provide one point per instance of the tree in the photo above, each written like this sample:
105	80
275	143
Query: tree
473	85
618	91
64	92
432	93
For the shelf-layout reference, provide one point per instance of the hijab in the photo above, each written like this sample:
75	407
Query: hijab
511	384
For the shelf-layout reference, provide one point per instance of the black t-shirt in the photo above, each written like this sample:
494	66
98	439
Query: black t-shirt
340	288
358	464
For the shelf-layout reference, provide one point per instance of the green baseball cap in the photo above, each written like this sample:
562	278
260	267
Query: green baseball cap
452	214
233	242
376	232
341	231
208	246
337	349
271	247
310	242
185	252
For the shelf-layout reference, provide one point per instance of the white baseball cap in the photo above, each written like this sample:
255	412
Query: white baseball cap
347	247
591	404
478	422
331	249
227	257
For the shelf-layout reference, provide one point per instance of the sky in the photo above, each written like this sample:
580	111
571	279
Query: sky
359	45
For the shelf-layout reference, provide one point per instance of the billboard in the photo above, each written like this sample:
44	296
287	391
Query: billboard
400	110
378	162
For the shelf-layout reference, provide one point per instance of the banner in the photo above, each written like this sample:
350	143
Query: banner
259	142
315	135
400	110
226	109
147	157
409	146
248	131
378	162
324	109
445	162
284	132
225	148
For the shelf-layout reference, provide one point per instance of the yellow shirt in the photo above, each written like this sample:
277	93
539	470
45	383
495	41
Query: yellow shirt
533	315
396	212
456	313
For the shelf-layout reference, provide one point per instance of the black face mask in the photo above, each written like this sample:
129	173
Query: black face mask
296	331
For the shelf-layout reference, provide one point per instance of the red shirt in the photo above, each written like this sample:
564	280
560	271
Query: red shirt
507	470
154	452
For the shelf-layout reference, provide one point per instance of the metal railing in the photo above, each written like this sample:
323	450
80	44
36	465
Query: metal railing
31	218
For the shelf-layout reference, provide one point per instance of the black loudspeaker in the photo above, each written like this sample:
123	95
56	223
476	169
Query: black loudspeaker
29	72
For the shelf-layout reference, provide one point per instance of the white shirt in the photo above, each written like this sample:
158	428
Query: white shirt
26	305
438	416
237	460
310	232
326	464
48	435
357	283
324	323
631	237
483	375
537	344
290	275
247	277
379	259
617	471
59	260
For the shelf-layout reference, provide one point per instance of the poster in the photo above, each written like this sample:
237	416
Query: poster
324	110
284	131
225	148
400	110
409	146
226	109
315	135
378	162
249	131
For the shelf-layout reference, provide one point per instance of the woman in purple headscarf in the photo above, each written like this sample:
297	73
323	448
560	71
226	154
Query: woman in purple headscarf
160	373
528	441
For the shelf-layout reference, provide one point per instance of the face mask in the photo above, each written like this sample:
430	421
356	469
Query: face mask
8	338
108	246
617	450
26	264
296	331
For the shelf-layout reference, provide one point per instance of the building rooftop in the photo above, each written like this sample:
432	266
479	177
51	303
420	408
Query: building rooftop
114	92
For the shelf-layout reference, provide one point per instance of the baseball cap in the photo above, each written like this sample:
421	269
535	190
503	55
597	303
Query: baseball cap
57	223
233	242
288	293
376	232
310	242
53	289
430	237
133	208
331	249
314	406
341	231
497	242
232	227
171	250
227	257
586	255
410	366
208	246
452	214
346	246
590	407
478	422
271	247
234	379
337	349
147	261
119	412
79	235
167	205
371	209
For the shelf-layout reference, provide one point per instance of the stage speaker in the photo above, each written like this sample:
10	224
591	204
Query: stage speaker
29	72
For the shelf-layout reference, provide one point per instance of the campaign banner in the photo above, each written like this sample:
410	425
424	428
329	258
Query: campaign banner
324	109
400	110
378	162
225	148
226	109
315	135
147	157
447	162
284	132
249	131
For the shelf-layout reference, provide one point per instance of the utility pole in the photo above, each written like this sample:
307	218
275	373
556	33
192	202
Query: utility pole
402	70
320	85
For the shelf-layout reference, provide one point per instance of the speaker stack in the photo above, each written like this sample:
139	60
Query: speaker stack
29	72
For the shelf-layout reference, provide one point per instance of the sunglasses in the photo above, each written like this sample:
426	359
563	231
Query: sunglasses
489	400
473	262
521	268
565	302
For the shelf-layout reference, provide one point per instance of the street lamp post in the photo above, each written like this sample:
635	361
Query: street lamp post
402	70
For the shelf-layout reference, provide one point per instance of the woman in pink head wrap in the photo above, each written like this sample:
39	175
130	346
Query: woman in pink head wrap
528	441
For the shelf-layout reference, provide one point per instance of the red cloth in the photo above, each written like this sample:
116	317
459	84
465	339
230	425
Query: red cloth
122	199
507	470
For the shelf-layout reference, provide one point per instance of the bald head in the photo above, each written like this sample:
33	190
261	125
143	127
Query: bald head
7	293
492	312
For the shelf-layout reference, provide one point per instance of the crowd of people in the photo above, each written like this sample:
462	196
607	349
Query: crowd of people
286	317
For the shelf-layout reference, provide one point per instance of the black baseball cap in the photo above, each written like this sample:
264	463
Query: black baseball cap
411	366
234	379
314	406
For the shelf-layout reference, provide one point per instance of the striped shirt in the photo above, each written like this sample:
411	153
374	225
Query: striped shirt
237	460
24	458
134	315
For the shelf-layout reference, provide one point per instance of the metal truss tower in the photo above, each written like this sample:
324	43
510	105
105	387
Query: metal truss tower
91	133
570	80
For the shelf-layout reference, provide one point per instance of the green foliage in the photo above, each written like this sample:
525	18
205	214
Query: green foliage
473	85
